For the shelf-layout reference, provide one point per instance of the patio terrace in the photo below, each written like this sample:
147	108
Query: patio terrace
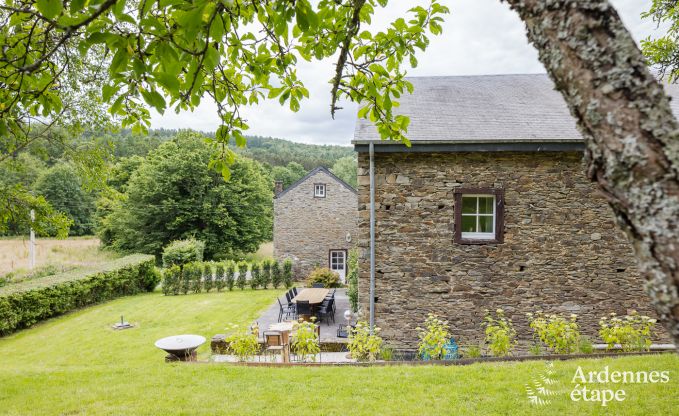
328	331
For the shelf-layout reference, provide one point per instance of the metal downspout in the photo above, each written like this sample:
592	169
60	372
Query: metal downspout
372	237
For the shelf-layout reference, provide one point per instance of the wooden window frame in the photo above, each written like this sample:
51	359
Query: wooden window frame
325	190
499	194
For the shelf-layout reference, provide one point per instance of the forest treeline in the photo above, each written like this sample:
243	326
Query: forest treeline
152	189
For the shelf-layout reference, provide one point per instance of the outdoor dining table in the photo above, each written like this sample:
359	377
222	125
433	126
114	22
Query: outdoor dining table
314	296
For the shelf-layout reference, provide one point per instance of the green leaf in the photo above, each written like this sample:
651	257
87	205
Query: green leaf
222	134
226	173
117	105
217	29
241	141
302	20
108	91
98	37
387	102
363	112
50	8
119	61
76	6
168	81
211	58
154	99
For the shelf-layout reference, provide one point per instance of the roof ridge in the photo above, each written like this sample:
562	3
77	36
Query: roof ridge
310	174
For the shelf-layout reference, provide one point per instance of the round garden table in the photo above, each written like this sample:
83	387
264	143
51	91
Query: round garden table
180	347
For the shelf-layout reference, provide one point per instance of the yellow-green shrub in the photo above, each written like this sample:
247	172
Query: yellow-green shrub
500	333
559	334
633	332
325	276
363	345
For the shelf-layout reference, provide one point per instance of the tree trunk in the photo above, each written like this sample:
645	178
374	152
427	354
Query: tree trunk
631	136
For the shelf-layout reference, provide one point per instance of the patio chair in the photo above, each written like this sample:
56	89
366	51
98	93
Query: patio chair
273	344
327	310
331	295
289	297
284	310
303	308
318	285
294	291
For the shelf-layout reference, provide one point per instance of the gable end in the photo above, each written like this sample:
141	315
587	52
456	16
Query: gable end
310	174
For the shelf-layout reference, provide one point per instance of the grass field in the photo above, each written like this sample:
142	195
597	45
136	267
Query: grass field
69	253
76	364
265	252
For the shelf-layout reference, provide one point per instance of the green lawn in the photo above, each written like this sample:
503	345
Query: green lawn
77	365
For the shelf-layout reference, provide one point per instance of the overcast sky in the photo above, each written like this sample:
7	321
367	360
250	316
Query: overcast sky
479	37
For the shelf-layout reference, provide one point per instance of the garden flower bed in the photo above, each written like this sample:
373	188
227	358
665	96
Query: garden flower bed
554	338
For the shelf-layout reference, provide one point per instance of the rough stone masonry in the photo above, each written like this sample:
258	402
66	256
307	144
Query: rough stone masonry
561	253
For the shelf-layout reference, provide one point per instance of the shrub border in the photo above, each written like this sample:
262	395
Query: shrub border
26	303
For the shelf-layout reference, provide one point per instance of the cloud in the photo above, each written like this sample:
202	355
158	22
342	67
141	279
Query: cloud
479	37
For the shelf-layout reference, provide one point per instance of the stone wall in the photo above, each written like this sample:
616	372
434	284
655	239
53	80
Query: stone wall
307	228
562	251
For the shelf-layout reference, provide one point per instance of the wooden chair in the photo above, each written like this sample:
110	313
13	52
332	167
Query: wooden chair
273	344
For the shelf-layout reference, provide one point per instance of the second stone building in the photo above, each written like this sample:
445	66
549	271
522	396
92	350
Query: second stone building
315	223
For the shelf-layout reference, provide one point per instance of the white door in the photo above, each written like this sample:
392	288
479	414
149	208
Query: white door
338	263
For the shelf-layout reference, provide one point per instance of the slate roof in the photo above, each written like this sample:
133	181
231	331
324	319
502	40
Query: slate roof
486	109
312	173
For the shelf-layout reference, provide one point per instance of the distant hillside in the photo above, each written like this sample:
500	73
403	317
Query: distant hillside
275	152
279	152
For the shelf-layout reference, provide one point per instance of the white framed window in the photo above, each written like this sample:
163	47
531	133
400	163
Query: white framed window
478	217
319	190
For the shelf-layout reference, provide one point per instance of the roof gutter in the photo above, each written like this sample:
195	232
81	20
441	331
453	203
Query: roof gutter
454	147
379	142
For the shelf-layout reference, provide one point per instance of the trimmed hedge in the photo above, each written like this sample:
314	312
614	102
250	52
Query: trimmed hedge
25	303
198	276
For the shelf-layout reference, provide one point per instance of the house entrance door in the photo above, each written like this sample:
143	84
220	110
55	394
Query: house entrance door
338	263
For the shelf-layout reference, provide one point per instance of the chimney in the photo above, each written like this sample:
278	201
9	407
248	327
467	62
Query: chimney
278	187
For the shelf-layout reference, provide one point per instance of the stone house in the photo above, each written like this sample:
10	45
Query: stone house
315	223
490	208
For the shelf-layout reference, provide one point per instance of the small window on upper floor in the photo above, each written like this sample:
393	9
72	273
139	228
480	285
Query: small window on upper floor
319	190
479	216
